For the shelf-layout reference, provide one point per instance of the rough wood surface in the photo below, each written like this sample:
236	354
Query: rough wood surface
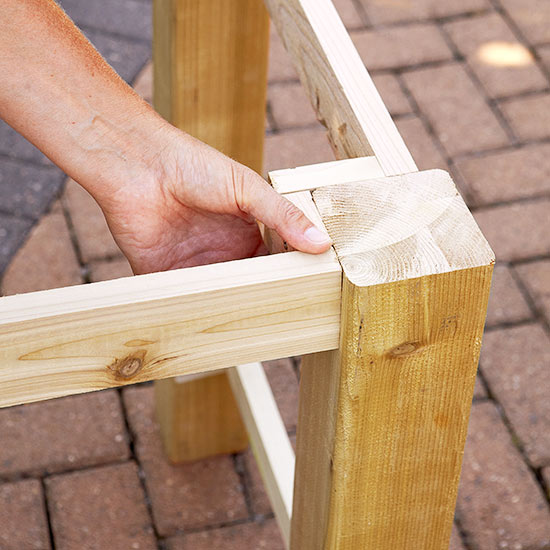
402	227
77	339
210	79
339	87
182	405
270	444
383	420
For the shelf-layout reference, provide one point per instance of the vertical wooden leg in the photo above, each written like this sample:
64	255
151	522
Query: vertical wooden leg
210	79
383	420
198	417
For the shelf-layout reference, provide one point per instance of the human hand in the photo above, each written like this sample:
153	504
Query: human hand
196	206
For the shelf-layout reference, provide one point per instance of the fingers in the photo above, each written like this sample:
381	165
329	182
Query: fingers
265	204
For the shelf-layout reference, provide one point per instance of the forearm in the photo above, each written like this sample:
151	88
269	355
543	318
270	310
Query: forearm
60	94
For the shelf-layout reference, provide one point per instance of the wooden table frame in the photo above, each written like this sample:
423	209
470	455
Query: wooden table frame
390	321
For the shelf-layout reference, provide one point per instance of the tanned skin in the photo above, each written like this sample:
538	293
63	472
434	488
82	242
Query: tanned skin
170	200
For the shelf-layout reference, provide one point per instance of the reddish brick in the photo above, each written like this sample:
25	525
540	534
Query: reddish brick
508	175
536	277
395	47
47	260
110	269
479	389
499	505
255	485
100	508
284	385
515	364
93	235
60	434
296	148
517	231
143	83
392	95
384	11
532	17
456	541
529	116
348	13
546	478
280	65
194	495
290	106
246	536
460	116
421	144
476	37
506	303
23	523
544	54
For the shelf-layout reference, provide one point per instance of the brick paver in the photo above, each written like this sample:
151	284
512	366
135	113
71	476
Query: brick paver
48	245
62	434
518	230
500	504
508	175
200	494
382	11
536	277
94	238
296	148
23	522
529	116
506	302
421	145
109	269
515	363
394	47
100	508
460	116
284	384
392	94
258	536
290	106
483	41
531	16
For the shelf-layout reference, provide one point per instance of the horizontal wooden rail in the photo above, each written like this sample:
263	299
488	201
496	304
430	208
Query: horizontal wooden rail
90	337
268	438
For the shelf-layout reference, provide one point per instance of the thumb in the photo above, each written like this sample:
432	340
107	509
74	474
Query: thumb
261	201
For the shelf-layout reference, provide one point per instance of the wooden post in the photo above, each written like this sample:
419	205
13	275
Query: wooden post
210	79
383	420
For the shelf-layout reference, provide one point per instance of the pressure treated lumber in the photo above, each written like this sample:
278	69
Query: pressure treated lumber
210	79
383	420
179	423
83	338
269	440
339	87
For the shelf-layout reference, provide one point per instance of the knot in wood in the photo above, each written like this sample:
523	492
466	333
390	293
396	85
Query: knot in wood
129	366
405	349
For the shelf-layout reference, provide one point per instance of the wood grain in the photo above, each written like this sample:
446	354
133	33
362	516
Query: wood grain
383	420
201	400
210	79
338	85
270	444
313	176
83	338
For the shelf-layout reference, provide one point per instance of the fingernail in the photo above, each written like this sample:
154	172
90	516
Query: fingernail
316	236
